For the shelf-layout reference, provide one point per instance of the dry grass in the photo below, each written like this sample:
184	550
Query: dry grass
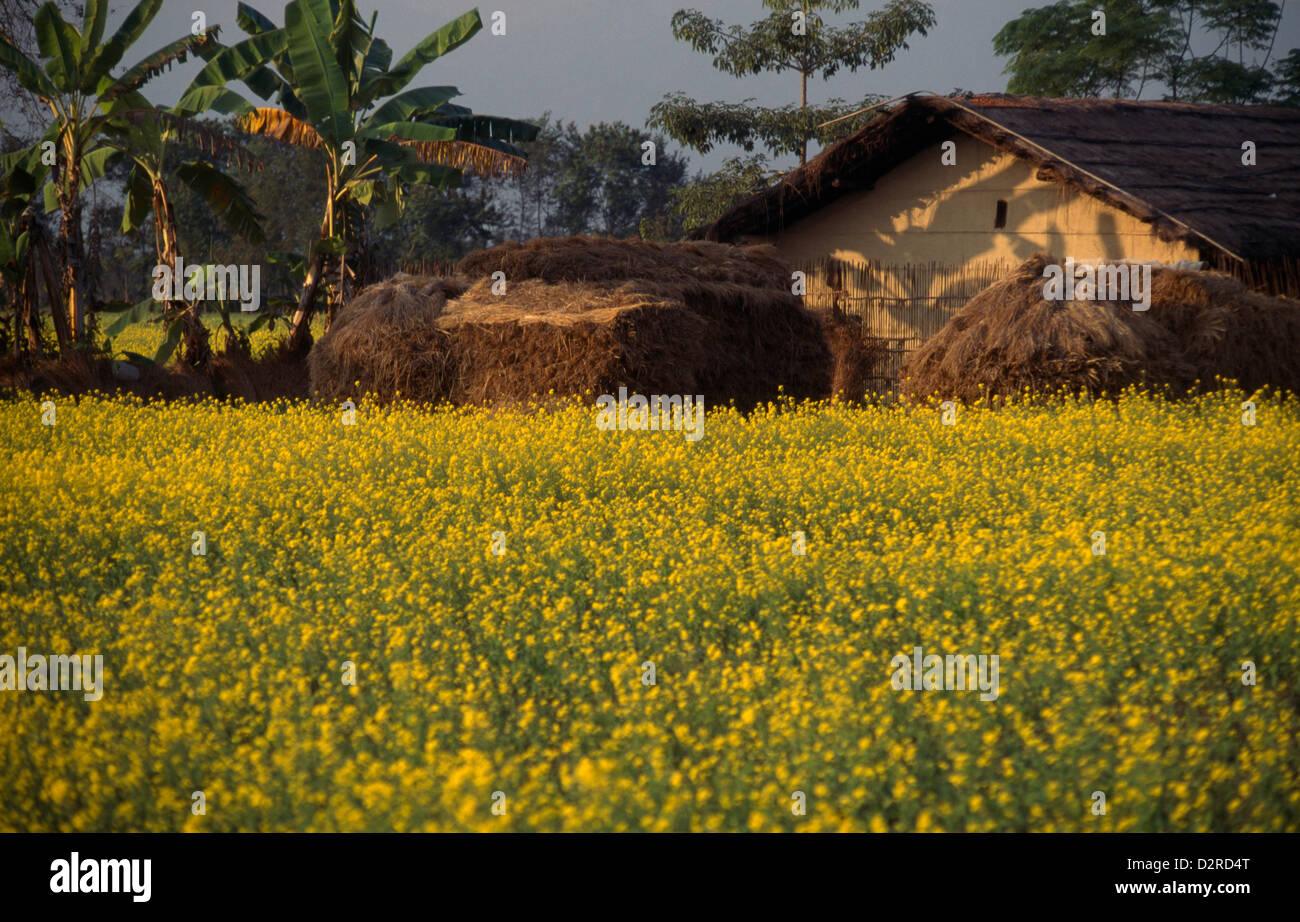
855	356
385	341
1200	326
581	315
601	259
230	374
1226	330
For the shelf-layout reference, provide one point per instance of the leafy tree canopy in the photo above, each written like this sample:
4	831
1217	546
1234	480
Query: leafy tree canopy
1057	50
792	38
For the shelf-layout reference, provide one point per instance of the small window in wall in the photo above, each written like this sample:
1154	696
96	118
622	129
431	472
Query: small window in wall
1001	219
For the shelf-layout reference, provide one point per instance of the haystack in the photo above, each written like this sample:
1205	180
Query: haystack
571	338
1009	338
582	315
1200	326
387	339
857	358
602	259
1224	329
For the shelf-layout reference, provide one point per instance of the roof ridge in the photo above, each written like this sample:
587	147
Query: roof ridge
1092	158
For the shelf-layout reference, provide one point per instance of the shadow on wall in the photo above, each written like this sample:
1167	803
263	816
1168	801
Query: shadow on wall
914	298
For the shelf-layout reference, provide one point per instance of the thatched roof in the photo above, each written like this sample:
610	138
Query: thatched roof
1174	165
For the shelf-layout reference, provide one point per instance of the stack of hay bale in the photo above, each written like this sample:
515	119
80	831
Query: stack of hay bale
581	316
1200	326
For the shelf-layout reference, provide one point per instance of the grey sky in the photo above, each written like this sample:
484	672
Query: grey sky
608	60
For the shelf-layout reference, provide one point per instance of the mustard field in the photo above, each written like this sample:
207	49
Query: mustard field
474	620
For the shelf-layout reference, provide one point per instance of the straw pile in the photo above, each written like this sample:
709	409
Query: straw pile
1224	329
856	358
387	339
1200	325
581	315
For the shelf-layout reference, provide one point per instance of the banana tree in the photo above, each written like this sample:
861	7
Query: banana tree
25	259
146	136
337	91
74	79
16	270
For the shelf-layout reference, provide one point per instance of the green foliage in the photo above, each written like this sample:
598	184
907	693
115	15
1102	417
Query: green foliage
1053	50
171	339
778	129
328	74
91	108
20	176
138	313
290	180
1220	80
778	44
1287	87
707	197
1055	53
578	182
607	188
327	69
773	44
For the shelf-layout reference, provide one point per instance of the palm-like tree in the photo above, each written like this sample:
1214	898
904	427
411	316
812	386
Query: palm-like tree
337	91
74	79
25	259
145	136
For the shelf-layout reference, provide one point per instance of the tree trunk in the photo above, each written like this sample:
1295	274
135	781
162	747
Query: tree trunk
53	289
29	295
70	254
300	335
30	292
20	311
337	301
803	104
803	89
196	347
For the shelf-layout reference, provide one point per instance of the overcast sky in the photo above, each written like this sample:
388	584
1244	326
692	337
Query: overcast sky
611	60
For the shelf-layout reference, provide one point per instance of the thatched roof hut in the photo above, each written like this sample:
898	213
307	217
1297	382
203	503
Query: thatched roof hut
1175	167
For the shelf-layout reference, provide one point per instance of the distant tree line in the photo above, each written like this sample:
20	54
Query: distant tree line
1220	51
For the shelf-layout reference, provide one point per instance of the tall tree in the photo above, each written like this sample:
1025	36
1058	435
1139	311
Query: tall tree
25	258
338	92
608	186
1287	86
528	201
1061	50
793	38
146	138
74	80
